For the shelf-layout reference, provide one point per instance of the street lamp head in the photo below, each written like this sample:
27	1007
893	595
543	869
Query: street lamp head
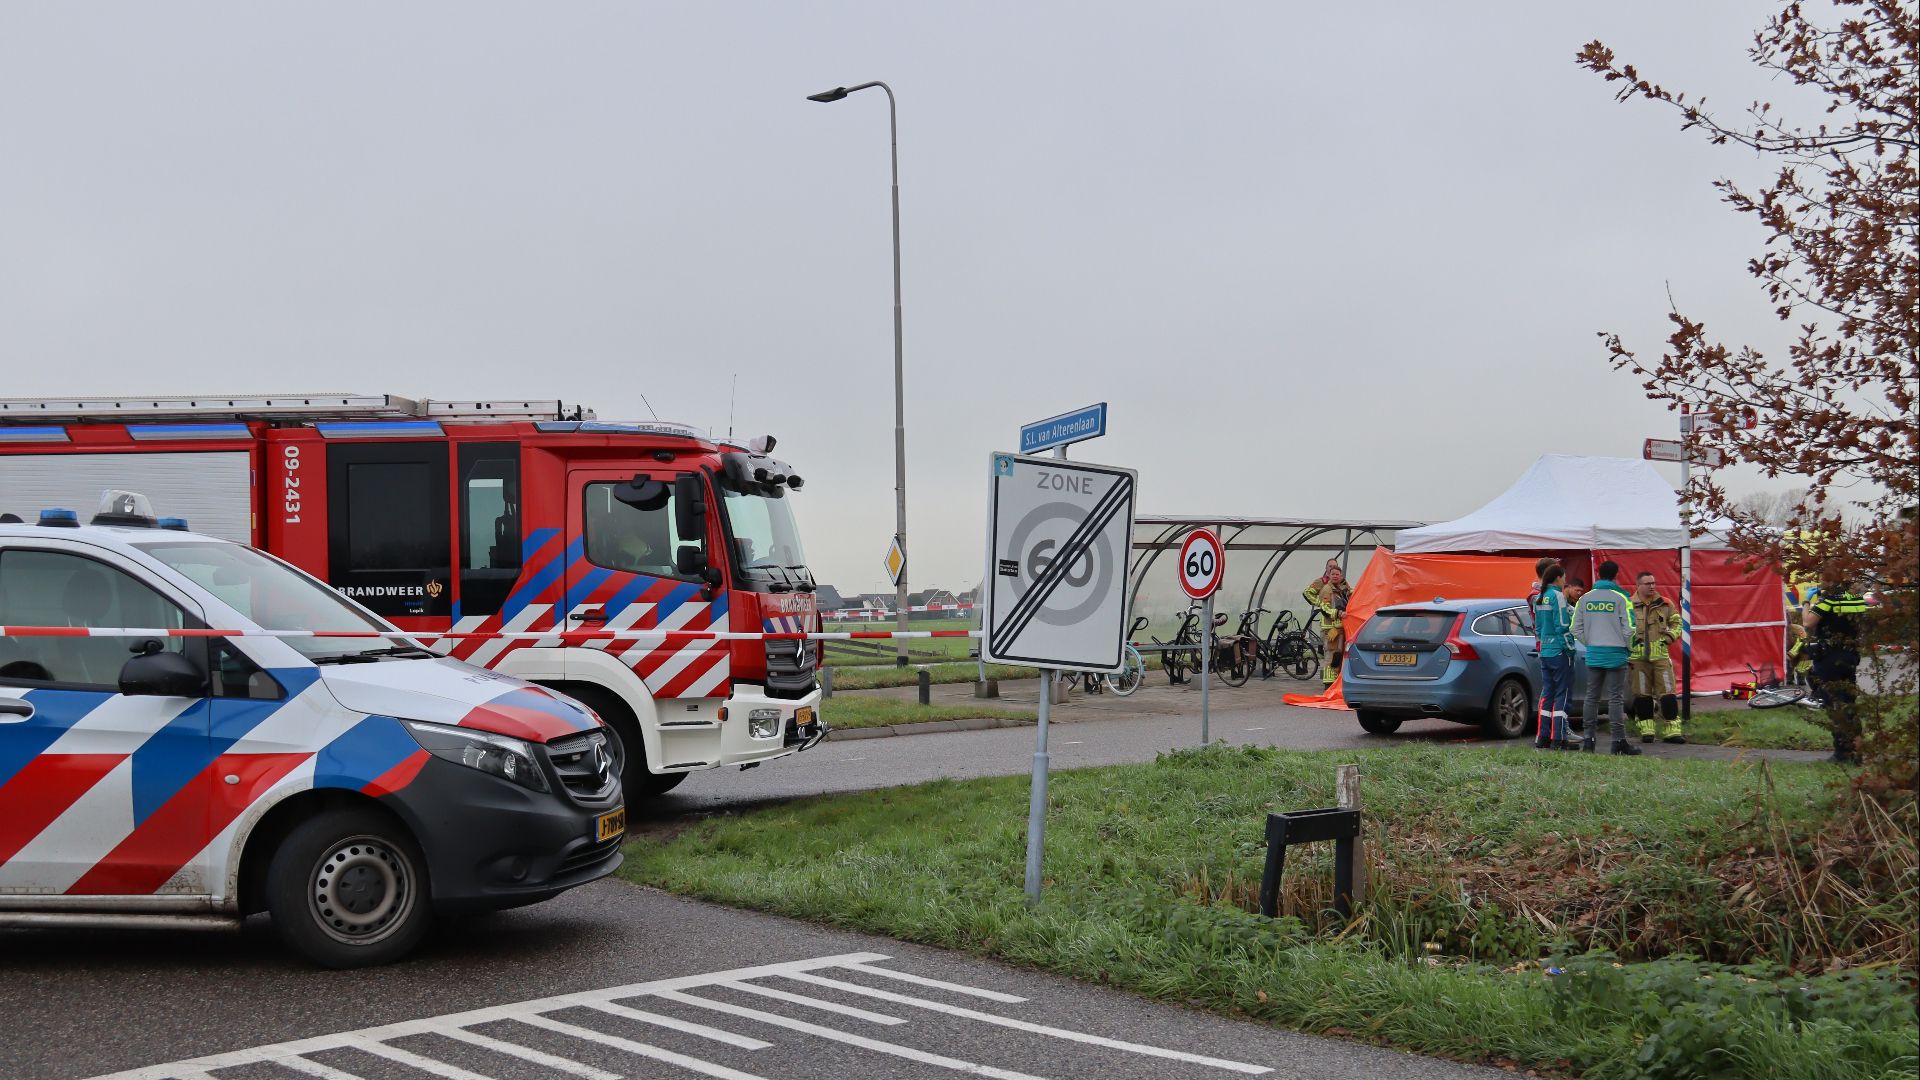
834	94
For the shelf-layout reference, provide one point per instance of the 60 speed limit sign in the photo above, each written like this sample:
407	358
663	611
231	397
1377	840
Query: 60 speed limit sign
1202	563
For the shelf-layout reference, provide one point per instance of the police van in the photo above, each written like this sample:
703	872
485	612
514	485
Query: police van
261	743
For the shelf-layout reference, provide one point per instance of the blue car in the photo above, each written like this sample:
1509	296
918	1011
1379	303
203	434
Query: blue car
1469	661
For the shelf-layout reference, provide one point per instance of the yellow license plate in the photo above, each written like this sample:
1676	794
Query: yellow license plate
803	715
612	825
1398	659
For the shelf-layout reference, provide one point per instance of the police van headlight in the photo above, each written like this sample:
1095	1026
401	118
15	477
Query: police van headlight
507	758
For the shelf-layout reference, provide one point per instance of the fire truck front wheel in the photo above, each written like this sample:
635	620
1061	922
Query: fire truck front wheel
348	888
638	782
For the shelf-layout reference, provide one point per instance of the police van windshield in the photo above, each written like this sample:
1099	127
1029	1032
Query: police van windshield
277	597
766	542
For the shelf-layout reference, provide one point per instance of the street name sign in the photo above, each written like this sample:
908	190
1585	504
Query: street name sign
1691	422
1070	427
1676	450
1202	564
1058	538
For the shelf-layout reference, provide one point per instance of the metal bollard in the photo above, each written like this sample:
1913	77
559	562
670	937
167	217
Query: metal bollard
826	682
926	687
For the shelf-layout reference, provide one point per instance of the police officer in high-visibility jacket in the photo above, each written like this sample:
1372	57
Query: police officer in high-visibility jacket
1656	627
1328	594
1833	620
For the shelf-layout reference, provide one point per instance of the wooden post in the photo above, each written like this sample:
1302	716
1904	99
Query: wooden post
1347	797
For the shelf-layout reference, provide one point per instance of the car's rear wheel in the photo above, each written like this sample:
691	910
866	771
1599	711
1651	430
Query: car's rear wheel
1378	723
348	888
1510	711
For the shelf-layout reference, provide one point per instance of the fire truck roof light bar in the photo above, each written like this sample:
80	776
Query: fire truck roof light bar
33	434
381	429
170	432
345	407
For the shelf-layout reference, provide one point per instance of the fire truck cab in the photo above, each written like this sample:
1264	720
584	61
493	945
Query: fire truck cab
492	518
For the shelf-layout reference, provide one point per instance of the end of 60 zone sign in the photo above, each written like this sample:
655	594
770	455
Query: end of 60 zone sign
1058	533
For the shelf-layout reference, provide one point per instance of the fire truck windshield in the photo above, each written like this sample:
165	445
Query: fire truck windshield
766	542
277	597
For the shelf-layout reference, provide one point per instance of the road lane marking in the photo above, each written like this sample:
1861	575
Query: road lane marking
836	1035
678	1024
414	1061
1023	1025
538	1013
295	1063
815	1003
526	1053
638	1049
922	980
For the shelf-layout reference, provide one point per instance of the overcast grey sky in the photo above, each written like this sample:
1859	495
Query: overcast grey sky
1322	259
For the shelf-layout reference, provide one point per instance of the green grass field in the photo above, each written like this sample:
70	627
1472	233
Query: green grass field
860	712
1488	868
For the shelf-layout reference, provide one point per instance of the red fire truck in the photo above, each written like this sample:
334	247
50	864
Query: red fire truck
508	517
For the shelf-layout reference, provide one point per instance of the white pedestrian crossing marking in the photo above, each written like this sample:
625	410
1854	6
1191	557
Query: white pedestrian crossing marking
626	1004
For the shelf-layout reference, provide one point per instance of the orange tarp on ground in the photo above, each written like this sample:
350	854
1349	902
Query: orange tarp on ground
1410	579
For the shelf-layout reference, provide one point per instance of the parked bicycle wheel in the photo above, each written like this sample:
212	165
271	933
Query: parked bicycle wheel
1175	665
1133	670
1305	661
1234	664
1776	696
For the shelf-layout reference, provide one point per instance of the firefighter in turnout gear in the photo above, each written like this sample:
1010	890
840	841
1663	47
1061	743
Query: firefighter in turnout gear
1656	626
1328	594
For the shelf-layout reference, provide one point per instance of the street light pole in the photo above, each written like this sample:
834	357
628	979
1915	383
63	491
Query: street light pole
899	369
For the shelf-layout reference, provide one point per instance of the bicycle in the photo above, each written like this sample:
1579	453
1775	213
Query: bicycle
1293	647
1771	692
1233	654
1178	662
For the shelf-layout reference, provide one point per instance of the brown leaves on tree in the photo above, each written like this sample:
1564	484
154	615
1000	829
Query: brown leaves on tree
1841	264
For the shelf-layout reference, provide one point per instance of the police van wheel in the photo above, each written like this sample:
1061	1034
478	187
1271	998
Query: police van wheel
349	889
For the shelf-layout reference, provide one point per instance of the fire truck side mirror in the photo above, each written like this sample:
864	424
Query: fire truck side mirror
690	507
690	561
642	493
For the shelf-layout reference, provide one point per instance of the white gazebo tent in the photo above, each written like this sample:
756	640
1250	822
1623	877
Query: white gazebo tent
1586	510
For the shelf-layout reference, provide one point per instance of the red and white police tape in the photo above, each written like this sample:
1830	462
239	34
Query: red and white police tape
526	635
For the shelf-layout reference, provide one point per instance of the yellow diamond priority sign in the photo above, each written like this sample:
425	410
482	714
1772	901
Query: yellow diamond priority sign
896	562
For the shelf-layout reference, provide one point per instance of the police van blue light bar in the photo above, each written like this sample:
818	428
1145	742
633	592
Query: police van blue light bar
176	524
55	433
391	429
168	432
60	518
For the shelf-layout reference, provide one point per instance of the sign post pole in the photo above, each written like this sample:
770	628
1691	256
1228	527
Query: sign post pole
1686	576
1206	661
1037	805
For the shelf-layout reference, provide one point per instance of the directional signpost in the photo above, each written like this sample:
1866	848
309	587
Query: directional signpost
1202	566
1682	451
1058	537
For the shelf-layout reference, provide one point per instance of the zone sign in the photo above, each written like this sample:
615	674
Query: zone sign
1202	563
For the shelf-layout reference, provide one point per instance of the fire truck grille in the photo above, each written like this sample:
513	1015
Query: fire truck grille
790	668
587	767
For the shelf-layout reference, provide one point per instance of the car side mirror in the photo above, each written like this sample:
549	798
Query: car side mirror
690	507
162	674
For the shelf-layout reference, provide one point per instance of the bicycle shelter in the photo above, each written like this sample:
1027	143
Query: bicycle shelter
1268	545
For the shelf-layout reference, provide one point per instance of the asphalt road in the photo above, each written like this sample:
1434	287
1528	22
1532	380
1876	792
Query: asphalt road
609	981
1101	730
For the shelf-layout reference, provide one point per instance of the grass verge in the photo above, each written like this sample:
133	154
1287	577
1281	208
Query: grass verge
1485	864
1787	728
872	678
849	712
